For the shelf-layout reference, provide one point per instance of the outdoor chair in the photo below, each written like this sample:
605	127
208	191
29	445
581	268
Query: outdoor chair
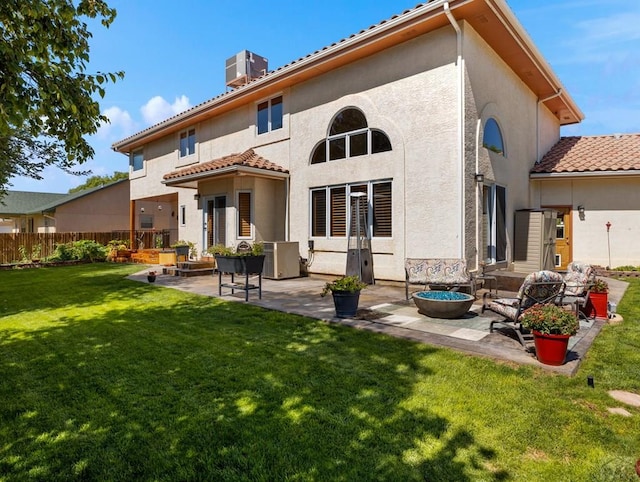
438	273
540	287
578	280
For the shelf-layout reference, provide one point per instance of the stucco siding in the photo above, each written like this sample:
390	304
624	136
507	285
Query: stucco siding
103	210
613	200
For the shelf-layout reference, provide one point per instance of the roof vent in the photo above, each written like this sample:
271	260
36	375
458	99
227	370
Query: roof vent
243	67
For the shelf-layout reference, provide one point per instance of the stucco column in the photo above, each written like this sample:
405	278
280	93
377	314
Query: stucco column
132	223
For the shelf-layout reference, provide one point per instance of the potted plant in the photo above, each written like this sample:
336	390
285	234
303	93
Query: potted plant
245	259
346	294
183	249
151	276
552	326
598	300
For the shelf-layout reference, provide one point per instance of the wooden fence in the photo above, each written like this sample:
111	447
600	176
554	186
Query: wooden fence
13	245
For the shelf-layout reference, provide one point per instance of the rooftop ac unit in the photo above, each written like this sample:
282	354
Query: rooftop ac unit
281	260
243	67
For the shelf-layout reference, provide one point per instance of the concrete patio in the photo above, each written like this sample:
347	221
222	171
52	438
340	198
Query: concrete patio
383	309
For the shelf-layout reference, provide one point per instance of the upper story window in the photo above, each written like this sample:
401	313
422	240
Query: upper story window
492	138
269	115
187	143
136	160
350	136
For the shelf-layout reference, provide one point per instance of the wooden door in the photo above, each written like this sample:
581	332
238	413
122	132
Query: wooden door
563	237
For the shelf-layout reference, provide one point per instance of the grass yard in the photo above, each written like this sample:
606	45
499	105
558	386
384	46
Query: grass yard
102	378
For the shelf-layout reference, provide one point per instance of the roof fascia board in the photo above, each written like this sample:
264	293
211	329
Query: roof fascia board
581	175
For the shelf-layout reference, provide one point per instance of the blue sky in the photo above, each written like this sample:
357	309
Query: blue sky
174	53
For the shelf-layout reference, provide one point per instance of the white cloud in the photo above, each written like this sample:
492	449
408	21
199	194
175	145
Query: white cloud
121	124
157	109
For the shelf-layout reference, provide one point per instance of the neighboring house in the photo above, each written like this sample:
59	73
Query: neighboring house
593	181
435	117
100	209
20	213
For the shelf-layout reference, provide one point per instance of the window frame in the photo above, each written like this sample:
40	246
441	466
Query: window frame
343	222
190	142
132	160
146	216
330	143
239	218
274	120
183	214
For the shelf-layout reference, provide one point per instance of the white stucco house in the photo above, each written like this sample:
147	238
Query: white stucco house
436	115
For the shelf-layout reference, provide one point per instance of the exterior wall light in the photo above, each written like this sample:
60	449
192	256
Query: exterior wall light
581	212
479	177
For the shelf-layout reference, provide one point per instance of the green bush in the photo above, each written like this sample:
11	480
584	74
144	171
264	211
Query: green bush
83	250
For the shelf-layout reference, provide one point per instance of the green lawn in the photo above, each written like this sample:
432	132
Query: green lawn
102	378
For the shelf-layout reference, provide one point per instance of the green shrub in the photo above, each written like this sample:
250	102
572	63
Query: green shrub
88	250
63	252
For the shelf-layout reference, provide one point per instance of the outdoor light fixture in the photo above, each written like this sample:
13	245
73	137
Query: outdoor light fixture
196	197
141	210
581	212
479	177
159	207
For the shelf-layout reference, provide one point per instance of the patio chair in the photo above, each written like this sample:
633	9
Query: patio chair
578	281
540	287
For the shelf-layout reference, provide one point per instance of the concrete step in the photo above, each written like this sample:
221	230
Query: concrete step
185	273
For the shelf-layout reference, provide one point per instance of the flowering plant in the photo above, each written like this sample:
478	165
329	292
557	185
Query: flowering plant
550	320
600	286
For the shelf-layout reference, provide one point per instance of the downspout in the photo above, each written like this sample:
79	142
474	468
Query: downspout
540	101
479	200
459	64
287	214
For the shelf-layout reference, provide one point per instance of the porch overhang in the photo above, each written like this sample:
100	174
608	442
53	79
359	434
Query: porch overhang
192	180
247	163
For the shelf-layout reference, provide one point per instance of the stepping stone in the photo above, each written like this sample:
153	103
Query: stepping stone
619	411
626	397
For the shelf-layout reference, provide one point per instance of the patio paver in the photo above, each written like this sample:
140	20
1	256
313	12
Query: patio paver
383	308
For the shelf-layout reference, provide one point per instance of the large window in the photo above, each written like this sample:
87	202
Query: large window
244	215
330	209
270	115
492	138
495	227
350	136
136	160
187	143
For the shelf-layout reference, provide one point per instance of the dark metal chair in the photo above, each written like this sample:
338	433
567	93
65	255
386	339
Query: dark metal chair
540	287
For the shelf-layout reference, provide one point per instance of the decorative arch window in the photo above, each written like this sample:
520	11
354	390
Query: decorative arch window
492	138
350	136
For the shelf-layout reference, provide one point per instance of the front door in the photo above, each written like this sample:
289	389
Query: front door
563	237
216	221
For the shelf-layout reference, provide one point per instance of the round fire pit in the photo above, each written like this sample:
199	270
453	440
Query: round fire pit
443	304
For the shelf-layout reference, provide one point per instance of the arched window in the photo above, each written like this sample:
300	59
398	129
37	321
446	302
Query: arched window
492	139
350	136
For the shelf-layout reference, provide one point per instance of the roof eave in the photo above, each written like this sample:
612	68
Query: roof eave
189	180
587	174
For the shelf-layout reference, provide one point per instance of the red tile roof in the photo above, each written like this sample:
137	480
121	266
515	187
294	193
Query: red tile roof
246	159
619	152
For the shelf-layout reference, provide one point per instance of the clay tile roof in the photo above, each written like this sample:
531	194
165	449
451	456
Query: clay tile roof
246	159
619	152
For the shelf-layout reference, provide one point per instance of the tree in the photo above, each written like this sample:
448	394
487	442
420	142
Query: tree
97	181
46	95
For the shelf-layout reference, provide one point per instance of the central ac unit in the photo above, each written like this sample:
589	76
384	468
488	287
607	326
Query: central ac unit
281	260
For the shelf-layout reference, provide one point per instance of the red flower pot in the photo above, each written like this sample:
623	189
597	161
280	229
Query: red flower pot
551	349
597	305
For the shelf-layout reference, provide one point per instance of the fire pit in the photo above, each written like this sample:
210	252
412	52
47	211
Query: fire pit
443	304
